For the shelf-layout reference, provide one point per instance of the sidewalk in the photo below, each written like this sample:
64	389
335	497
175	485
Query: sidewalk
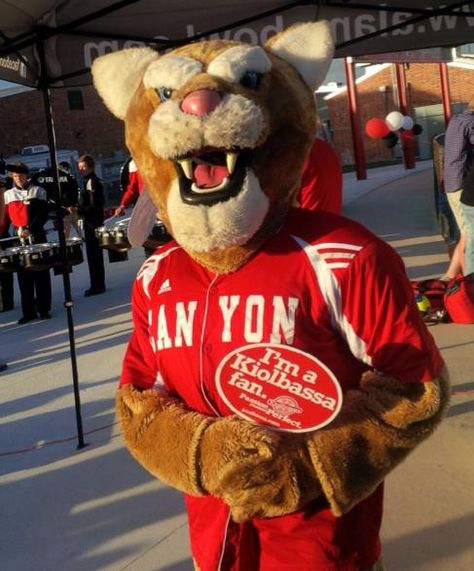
398	205
354	189
95	509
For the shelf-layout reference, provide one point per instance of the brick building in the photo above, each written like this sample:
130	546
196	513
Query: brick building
81	121
377	97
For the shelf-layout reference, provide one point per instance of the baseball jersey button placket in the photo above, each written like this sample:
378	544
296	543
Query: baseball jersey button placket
205	348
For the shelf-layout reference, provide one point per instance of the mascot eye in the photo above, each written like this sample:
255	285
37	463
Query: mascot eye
251	80
164	93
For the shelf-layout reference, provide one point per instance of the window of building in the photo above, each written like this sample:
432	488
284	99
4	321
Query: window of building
465	51
75	100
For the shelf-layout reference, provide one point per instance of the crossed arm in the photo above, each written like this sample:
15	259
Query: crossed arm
261	473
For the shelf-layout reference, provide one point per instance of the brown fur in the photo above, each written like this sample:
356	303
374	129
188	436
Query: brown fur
260	473
157	173
150	423
229	259
187	450
377	428
278	486
289	111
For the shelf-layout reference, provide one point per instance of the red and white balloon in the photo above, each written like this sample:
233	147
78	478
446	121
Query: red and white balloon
407	123
394	120
378	128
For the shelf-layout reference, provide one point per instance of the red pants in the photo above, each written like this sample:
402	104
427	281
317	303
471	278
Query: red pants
312	539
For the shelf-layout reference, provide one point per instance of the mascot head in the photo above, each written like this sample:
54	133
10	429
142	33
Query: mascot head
219	131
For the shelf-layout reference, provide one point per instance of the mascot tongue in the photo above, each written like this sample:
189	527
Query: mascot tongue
208	176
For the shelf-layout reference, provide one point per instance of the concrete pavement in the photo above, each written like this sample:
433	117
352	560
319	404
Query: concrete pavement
96	509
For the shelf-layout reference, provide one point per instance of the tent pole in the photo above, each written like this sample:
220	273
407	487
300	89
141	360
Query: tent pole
408	143
356	130
445	91
68	303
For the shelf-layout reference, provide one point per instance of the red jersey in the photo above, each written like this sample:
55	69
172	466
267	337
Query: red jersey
322	284
134	186
28	208
321	181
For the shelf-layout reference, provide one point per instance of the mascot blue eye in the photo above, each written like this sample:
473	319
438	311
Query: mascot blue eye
164	93
251	80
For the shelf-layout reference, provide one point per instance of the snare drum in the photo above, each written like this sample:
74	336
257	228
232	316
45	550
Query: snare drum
114	237
159	235
10	260
37	257
73	252
120	236
104	235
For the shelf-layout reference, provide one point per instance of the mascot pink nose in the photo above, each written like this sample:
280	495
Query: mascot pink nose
200	102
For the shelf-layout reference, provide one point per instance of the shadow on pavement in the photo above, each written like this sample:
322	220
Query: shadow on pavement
416	550
93	502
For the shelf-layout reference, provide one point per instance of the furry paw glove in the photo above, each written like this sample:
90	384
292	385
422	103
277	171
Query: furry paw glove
274	487
187	450
262	473
379	424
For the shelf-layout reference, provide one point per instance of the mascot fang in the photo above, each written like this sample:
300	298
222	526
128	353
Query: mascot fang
219	131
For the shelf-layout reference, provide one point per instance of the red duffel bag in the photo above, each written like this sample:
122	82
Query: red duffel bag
433	289
459	299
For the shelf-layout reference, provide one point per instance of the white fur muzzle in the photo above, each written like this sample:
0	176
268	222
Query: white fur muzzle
201	228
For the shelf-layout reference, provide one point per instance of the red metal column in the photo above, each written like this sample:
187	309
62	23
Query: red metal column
356	130
445	91
408	140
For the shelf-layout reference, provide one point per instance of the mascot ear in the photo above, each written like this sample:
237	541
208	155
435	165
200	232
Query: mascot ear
307	47
117	76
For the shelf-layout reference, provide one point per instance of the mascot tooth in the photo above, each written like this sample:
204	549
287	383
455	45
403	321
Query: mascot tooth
259	317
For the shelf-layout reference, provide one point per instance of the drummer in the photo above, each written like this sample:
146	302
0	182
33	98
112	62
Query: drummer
70	192
91	208
6	278
132	190
132	186
26	209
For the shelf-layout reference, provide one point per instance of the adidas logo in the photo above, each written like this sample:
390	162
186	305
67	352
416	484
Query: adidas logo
165	286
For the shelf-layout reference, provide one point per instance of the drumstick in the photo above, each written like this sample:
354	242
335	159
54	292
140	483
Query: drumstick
9	238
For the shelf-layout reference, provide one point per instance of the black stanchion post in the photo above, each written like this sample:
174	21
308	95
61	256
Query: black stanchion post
68	302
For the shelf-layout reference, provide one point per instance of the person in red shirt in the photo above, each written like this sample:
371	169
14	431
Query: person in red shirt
3	365
6	278
321	181
133	187
26	209
132	190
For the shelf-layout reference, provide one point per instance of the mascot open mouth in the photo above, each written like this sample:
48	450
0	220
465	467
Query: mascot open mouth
211	175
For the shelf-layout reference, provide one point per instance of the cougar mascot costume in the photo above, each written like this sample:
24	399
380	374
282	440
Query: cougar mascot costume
219	131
